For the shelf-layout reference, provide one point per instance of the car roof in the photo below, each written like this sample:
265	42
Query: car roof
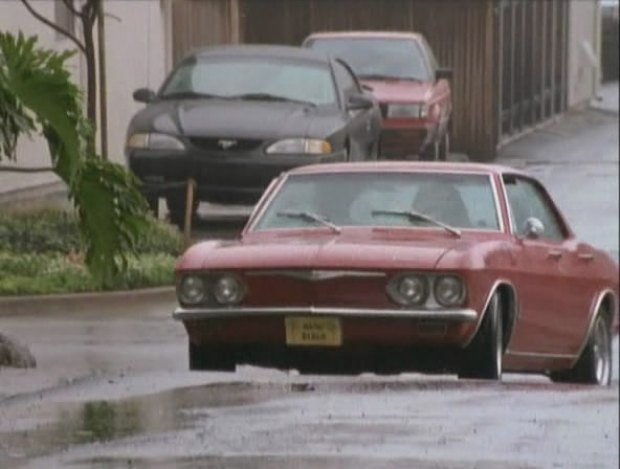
366	34
270	51
405	166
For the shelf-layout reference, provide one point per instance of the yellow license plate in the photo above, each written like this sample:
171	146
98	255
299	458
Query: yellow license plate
313	331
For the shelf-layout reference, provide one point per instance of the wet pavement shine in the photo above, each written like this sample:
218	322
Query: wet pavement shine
112	389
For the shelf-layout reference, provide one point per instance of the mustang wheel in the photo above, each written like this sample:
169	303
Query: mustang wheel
483	356
594	363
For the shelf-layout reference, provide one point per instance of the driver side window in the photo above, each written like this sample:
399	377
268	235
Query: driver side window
526	199
346	81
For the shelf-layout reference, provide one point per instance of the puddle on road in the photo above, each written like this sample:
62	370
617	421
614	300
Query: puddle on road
45	429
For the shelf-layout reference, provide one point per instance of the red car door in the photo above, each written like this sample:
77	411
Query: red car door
552	304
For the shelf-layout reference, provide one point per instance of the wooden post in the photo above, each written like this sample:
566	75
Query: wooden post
103	94
189	205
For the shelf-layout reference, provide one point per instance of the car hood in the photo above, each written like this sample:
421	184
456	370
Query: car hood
248	119
327	251
387	91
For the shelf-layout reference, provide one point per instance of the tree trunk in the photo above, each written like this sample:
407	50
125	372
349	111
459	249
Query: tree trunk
91	79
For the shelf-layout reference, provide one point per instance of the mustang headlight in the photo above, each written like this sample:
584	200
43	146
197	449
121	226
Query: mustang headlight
408	290
298	146
192	290
407	111
228	290
449	290
155	141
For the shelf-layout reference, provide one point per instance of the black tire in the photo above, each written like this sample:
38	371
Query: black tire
176	208
444	146
209	359
595	362
483	356
431	152
153	203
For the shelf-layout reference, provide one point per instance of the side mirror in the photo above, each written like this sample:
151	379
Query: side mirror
443	73
359	102
143	95
533	228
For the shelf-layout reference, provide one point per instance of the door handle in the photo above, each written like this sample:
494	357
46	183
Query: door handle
585	256
555	254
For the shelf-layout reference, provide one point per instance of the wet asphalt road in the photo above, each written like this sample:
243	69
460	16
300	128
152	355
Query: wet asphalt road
111	389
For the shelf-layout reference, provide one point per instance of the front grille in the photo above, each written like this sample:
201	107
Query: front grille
225	144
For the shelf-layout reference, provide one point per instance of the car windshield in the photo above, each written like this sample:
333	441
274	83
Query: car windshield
458	200
252	79
377	57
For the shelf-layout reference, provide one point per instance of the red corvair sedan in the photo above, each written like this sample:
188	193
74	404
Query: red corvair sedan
403	74
388	267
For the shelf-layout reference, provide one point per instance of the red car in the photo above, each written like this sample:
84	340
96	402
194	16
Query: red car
414	92
395	266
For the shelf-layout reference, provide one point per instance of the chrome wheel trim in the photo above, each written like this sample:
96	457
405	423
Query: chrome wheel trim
498	339
601	353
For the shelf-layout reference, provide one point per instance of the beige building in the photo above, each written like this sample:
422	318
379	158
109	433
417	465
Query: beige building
136	57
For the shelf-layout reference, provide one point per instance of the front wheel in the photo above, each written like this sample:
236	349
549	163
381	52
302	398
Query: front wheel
444	146
594	363
483	356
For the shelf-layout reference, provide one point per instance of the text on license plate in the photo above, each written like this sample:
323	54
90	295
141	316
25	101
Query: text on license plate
313	331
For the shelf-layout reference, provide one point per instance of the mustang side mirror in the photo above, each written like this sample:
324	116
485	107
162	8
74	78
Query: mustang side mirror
143	95
358	102
443	73
534	228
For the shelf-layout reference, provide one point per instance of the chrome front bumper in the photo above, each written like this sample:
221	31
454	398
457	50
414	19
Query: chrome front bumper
451	315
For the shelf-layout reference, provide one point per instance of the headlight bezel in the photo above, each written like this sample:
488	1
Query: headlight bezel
210	296
300	146
462	293
239	294
181	292
155	141
394	289
407	111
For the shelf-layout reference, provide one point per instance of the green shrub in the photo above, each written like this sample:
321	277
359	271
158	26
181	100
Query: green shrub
22	274
55	231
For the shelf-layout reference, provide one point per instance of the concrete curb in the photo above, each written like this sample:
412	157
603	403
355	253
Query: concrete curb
116	301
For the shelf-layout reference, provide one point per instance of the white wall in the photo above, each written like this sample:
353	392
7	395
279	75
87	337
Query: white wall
136	57
584	51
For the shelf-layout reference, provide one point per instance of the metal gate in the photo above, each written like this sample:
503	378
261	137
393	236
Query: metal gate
532	63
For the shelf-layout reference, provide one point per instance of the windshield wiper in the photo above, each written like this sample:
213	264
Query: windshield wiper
417	216
309	216
192	94
270	97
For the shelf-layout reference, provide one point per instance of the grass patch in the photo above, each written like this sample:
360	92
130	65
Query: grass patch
41	253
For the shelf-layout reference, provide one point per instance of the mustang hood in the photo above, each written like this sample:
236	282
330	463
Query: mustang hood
323	252
231	118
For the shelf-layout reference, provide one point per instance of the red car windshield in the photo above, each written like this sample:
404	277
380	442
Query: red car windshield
382	199
378	58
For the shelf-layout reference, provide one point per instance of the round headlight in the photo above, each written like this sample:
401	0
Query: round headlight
192	290
228	290
409	290
449	291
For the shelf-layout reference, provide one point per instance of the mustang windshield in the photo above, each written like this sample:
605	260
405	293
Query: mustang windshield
378	58
253	79
448	200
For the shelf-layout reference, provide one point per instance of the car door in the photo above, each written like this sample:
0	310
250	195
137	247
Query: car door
551	308
362	128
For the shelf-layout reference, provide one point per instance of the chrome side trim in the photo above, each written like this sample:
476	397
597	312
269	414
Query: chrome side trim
564	356
456	315
316	274
593	313
492	291
498	209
